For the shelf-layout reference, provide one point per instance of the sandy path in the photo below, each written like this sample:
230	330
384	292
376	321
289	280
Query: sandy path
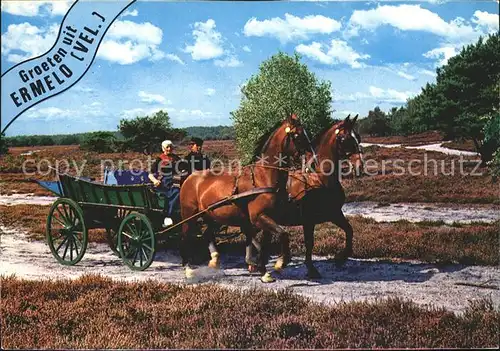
26	199
437	147
359	280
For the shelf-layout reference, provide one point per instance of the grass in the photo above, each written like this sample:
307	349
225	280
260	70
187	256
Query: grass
96	312
475	243
416	139
435	177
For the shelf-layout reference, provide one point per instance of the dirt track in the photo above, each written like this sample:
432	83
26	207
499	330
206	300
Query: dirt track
359	280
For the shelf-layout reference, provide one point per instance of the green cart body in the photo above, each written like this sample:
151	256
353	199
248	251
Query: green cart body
130	214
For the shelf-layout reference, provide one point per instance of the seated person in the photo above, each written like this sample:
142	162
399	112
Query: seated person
195	160
162	176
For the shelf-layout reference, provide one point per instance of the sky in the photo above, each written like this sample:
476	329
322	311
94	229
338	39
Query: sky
191	58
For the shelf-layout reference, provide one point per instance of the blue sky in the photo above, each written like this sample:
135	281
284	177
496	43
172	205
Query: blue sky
190	58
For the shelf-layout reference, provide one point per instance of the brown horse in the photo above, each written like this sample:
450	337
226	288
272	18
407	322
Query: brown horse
318	197
202	189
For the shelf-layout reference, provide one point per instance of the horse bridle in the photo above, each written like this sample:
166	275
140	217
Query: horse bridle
340	149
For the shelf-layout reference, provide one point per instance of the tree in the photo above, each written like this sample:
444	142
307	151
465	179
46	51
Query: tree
376	124
45	140
69	139
282	86
145	134
98	142
466	94
4	149
400	121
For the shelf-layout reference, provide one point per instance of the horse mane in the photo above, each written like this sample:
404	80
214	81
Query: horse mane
257	152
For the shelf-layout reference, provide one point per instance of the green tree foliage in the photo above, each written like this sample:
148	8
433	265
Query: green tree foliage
465	95
282	86
211	133
492	143
4	148
399	121
376	124
70	139
145	134
99	142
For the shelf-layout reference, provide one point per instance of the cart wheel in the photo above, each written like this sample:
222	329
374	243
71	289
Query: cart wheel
136	241
66	232
112	233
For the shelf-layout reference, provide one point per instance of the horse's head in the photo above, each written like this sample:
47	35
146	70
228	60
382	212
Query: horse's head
348	142
295	142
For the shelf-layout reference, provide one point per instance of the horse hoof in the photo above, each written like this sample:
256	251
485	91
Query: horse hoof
190	273
267	278
214	264
280	264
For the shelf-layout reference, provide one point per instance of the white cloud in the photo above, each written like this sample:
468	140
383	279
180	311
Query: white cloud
133	13
208	42
351	97
390	95
406	75
408	18
195	113
427	72
174	58
125	43
247	49
23	41
487	20
22	8
124	53
146	33
60	7
129	42
152	98
230	61
209	92
200	113
291	28
49	113
454	34
36	8
338	52
379	95
53	113
442	54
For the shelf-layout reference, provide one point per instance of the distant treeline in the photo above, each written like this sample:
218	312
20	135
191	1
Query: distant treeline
206	133
47	140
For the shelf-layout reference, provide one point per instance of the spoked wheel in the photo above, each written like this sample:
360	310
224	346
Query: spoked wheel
136	241
66	232
112	233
